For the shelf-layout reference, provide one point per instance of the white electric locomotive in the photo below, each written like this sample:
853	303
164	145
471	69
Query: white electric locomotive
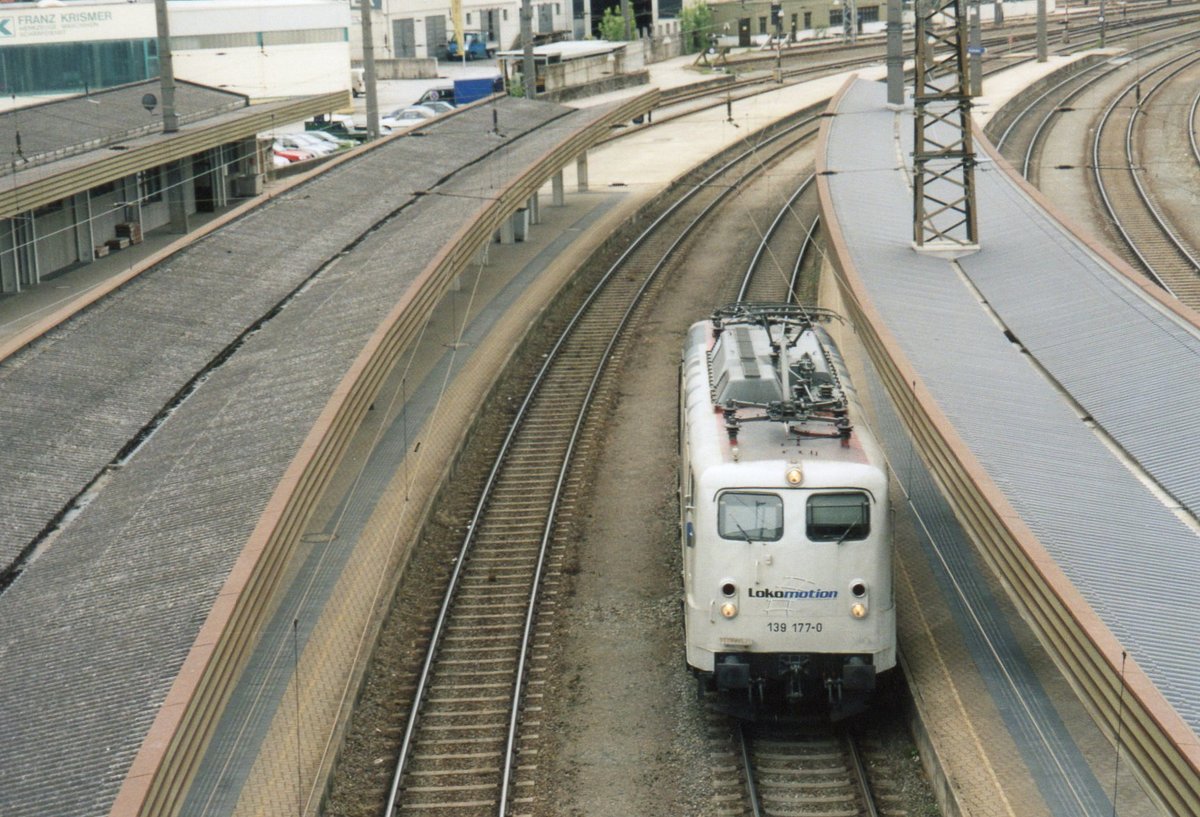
787	551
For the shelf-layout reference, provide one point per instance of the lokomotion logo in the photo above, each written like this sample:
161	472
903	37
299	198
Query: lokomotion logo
6	27
767	593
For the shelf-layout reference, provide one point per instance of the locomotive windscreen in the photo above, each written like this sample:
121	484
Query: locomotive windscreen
838	517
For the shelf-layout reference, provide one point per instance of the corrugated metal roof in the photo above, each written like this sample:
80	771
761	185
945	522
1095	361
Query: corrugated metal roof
93	633
1130	365
62	127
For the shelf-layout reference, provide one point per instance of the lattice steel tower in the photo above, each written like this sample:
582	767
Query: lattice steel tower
943	150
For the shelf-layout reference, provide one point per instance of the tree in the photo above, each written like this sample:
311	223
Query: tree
612	25
695	21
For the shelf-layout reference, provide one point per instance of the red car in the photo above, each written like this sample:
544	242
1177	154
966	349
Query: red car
292	154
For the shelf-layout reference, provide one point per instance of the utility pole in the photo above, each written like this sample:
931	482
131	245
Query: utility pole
975	51
628	18
528	68
166	68
895	54
1042	53
368	38
176	195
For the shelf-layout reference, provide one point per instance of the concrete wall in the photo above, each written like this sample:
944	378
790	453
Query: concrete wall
270	72
418	68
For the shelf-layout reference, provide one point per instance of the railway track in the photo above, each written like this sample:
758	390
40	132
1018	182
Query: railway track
473	708
804	769
1024	134
1151	242
774	271
1146	236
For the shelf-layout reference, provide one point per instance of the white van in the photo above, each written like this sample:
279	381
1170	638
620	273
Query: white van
358	85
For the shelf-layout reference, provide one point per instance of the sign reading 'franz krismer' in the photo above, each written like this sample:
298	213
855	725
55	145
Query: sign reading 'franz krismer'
43	22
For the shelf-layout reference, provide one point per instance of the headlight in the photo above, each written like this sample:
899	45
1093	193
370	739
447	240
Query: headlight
794	475
729	609
858	589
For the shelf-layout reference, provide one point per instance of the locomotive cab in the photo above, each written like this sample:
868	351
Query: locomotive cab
786	537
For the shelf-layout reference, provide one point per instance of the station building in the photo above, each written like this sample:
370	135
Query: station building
87	168
95	173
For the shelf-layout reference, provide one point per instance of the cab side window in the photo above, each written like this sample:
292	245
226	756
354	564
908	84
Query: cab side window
750	517
839	517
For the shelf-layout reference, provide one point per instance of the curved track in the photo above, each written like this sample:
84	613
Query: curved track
773	274
1153	242
458	750
1126	141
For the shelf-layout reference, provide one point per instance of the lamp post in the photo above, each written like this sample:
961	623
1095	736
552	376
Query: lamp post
777	19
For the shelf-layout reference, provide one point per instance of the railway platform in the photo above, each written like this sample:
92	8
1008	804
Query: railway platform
624	176
1038	499
295	686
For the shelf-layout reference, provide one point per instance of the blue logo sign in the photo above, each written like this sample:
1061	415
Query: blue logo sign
6	27
767	593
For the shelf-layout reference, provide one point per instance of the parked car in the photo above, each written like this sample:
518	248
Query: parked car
407	117
438	106
303	141
330	139
444	93
340	126
292	154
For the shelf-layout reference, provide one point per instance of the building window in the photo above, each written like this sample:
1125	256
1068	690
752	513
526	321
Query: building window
504	14
150	185
762	25
204	41
47	209
870	14
74	67
468	18
303	36
835	18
